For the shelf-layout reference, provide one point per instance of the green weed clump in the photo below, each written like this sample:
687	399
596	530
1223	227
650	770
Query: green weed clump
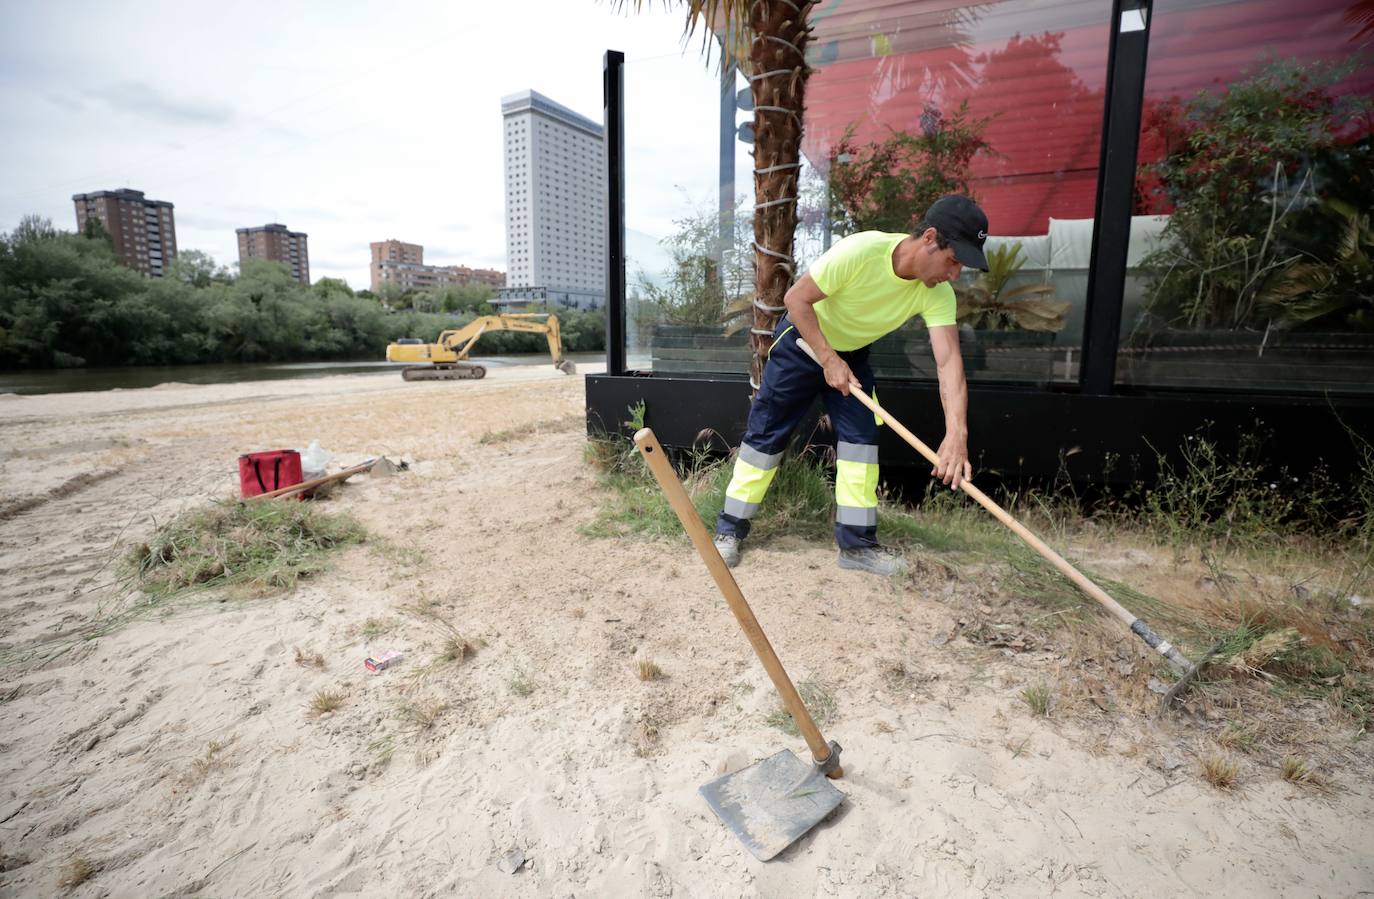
1293	648
1235	499
819	701
1039	699
799	501
265	545
1215	505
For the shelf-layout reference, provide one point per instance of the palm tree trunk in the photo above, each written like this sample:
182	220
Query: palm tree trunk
778	73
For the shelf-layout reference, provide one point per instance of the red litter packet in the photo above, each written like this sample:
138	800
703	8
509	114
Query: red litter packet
383	661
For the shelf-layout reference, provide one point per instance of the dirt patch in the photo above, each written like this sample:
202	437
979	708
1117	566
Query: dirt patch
11	508
241	746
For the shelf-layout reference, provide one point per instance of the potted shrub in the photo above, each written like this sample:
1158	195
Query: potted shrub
1260	281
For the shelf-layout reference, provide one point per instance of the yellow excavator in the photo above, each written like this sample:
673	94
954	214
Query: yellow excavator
446	359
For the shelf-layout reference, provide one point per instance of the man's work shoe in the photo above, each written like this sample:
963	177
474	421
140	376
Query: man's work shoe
729	546
874	560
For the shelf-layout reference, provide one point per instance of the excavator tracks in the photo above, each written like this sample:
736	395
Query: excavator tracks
460	371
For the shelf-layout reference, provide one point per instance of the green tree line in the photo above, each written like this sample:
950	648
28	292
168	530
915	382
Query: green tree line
65	301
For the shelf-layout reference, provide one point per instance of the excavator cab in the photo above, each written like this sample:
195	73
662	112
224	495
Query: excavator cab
446	360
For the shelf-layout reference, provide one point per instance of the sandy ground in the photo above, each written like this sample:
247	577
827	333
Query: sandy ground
544	740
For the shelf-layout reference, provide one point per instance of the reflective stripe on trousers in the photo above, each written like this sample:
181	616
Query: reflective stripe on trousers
856	484
791	382
754	471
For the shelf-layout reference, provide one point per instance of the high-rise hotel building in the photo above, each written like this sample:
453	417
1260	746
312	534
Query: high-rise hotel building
555	202
142	230
278	244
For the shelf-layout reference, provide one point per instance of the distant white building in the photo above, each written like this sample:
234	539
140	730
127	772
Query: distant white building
555	204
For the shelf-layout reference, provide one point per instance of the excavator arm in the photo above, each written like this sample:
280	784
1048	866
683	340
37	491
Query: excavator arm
447	357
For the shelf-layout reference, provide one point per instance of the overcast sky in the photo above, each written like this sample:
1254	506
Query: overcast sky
350	121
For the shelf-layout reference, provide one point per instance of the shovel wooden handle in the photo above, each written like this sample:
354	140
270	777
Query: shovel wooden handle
667	479
1175	658
317	482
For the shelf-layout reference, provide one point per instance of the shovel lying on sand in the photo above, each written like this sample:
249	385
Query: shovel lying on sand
1182	667
321	481
771	803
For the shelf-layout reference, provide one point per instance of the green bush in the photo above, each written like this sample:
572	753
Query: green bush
65	301
1250	172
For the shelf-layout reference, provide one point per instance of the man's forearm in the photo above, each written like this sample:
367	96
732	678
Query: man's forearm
803	316
954	398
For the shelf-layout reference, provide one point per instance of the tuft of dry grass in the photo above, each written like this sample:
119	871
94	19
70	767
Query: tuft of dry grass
646	735
1298	771
1238	736
817	698
266	545
213	760
421	716
309	659
383	748
456	648
893	673
647	670
520	683
1220	771
1270	648
375	627
76	872
495	438
1039	699
325	701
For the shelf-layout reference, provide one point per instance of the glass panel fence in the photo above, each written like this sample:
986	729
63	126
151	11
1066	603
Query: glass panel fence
684	262
1254	193
1002	101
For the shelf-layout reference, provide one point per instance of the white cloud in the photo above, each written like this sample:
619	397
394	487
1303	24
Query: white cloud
350	121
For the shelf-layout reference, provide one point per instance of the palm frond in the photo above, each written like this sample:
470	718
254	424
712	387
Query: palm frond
1038	315
723	21
1025	290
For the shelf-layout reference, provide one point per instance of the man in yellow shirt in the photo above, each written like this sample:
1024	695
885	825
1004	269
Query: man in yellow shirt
864	287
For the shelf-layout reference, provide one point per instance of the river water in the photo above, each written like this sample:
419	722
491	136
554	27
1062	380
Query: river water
69	380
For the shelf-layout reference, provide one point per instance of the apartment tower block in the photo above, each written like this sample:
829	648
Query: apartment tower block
403	265
555	193
277	244
142	230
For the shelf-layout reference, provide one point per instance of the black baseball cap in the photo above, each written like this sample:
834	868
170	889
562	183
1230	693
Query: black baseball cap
960	221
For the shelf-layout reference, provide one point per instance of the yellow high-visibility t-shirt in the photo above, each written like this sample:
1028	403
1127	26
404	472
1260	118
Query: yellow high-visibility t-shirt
864	297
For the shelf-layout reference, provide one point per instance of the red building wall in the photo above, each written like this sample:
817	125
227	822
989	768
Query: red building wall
1037	68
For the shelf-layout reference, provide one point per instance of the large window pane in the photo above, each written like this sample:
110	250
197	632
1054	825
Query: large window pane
1255	159
1003	100
677	288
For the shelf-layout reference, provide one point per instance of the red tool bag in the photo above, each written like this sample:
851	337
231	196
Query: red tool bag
265	472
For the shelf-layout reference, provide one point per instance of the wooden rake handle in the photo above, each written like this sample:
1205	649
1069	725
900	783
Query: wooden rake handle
1137	626
318	482
667	479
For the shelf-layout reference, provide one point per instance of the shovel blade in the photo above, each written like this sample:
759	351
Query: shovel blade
770	804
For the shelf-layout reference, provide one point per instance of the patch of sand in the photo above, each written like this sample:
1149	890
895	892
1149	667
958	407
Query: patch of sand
179	756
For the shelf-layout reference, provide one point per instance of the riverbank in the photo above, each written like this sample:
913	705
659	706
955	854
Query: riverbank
83	380
180	755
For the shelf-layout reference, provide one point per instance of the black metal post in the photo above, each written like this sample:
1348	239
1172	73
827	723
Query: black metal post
1126	59
727	162
613	117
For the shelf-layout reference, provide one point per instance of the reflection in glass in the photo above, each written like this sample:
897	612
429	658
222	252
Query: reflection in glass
676	284
1001	101
1255	150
